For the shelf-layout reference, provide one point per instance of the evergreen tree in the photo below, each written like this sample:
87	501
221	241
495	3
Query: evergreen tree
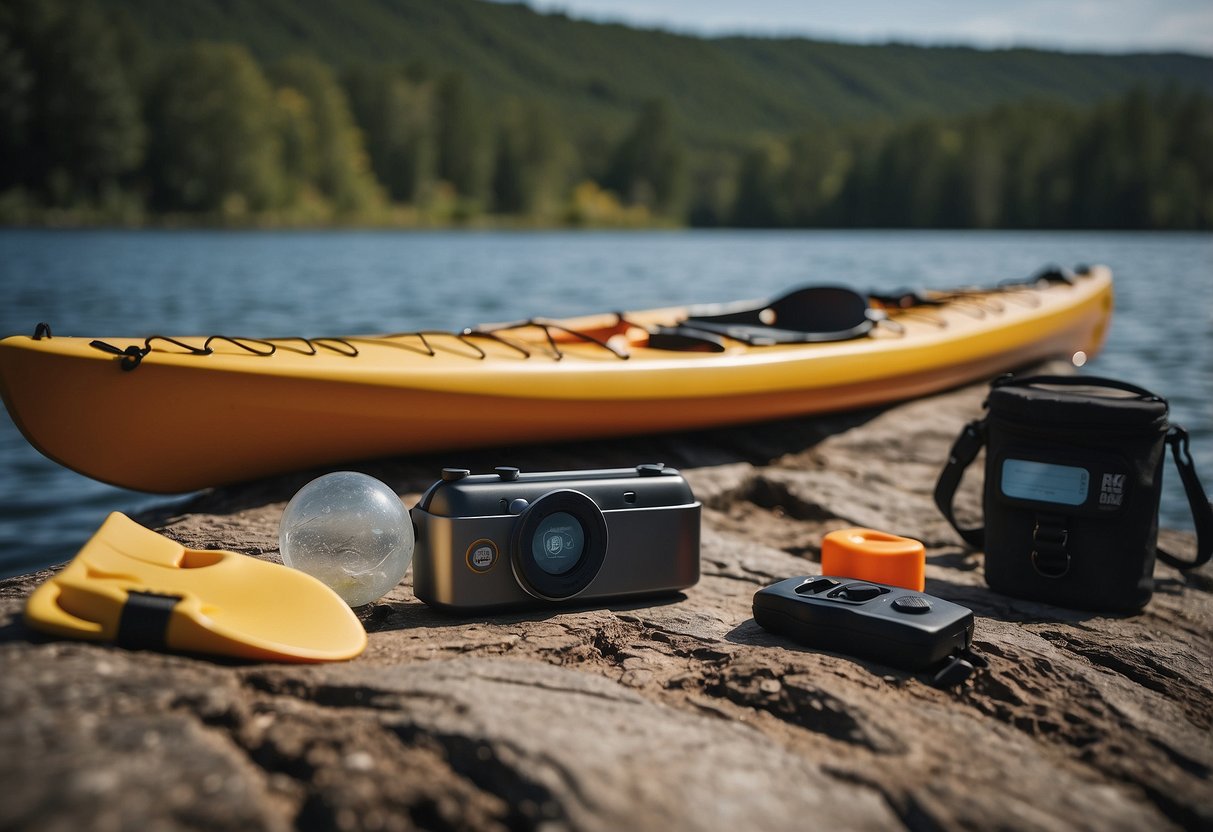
214	143
1037	186
649	166
395	109
759	199
339	166
1188	187
713	189
461	148
300	146
71	120
817	170
16	99
529	161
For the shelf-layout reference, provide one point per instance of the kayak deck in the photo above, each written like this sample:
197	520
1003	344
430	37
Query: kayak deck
198	412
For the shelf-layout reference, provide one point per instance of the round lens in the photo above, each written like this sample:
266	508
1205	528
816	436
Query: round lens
558	543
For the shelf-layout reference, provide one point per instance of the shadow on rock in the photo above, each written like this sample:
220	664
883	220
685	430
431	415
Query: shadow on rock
385	617
989	604
757	444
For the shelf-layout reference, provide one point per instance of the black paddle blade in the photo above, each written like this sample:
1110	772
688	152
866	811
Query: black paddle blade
810	314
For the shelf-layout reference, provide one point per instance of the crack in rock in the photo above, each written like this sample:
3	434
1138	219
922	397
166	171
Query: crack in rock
496	742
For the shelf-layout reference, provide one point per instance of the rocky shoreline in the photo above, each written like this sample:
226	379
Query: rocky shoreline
680	714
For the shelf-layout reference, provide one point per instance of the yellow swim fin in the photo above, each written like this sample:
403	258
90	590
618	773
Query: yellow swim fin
136	588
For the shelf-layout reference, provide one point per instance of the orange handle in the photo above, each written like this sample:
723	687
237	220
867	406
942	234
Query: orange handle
870	555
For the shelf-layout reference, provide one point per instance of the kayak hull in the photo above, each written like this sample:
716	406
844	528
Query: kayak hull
180	422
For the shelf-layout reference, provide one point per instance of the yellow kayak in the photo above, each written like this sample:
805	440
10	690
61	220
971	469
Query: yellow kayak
182	413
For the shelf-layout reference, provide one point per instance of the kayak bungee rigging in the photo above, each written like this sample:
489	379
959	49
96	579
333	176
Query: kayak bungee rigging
223	408
801	314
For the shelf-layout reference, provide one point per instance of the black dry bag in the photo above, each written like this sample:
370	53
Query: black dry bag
1073	477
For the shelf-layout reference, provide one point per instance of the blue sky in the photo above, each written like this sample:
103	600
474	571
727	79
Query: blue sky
1086	25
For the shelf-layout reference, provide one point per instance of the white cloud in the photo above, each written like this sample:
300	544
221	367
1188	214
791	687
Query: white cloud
1108	25
1194	27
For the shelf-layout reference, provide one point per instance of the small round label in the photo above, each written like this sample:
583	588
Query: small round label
482	555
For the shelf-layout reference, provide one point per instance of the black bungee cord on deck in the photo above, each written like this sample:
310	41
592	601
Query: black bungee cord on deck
133	356
975	302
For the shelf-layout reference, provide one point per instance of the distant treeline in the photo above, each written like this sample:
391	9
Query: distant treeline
98	124
1144	160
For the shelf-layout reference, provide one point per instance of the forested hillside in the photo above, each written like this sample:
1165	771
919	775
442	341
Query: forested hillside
412	112
725	88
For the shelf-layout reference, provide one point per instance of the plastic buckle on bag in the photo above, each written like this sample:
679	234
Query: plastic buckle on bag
1178	438
1050	572
967	444
1049	540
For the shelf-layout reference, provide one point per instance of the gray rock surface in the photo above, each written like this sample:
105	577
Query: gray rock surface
680	714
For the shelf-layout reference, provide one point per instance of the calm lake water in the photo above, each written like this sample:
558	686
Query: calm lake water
320	283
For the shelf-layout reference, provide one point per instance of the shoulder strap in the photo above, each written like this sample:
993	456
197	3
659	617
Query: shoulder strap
1202	510
964	451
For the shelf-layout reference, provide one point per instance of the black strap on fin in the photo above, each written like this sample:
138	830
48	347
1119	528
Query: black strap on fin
143	624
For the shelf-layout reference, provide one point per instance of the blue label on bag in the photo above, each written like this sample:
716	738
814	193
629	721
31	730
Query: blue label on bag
1043	482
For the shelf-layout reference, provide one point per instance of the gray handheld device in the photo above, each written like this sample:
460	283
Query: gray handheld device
510	539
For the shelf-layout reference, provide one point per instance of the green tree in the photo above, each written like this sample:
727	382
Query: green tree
300	146
396	114
338	164
817	169
530	160
214	144
649	166
16	101
980	173
461	148
1189	177
1038	186
861	197
759	202
71	119
713	189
